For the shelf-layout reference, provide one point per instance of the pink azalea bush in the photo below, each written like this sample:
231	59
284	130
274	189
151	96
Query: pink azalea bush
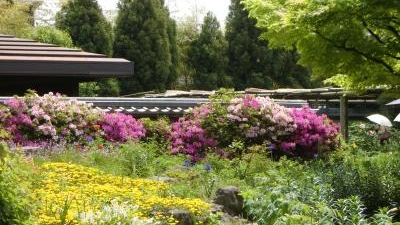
49	118
259	119
313	134
188	137
253	121
120	127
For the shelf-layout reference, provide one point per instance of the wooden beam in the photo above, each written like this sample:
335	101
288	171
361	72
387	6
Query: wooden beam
344	119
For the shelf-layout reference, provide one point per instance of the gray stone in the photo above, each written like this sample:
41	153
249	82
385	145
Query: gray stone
182	216
164	179
230	199
226	219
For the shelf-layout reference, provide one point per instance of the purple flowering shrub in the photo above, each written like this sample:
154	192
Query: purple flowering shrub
253	121
188	137
120	127
34	119
314	134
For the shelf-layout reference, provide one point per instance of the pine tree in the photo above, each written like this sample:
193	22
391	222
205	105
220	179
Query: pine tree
141	35
207	56
172	35
89	30
86	25
251	62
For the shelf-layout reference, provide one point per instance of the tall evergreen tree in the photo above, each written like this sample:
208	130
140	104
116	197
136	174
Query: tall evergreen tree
141	35
84	21
251	62
207	56
172	35
86	25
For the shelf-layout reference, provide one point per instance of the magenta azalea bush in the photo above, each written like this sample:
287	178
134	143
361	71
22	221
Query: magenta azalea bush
253	121
120	127
314	134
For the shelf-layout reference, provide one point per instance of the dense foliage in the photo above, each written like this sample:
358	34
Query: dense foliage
291	193
355	40
14	182
143	32
375	179
173	45
187	32
15	19
207	56
251	62
87	26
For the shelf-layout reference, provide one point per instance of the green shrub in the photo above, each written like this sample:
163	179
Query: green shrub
292	193
285	188
363	136
157	131
375	179
51	35
14	205
144	159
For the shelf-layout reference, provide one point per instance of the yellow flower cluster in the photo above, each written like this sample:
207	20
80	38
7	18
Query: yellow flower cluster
68	190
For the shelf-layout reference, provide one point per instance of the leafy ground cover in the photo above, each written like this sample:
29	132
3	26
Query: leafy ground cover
297	171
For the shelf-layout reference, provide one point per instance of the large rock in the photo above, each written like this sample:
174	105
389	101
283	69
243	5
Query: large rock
182	216
230	199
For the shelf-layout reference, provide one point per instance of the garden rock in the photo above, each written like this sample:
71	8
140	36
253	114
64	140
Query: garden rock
182	216
226	219
230	199
164	179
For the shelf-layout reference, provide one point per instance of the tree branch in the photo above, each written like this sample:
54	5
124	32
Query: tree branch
371	32
355	50
394	31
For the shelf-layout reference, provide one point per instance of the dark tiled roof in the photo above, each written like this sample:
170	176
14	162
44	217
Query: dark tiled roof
24	57
175	107
155	106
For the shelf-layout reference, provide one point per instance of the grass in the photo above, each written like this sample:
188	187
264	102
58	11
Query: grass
288	189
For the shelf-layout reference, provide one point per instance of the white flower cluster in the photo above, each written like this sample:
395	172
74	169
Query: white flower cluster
115	213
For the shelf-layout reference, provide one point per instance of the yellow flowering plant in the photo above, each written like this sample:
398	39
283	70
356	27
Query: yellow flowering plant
74	194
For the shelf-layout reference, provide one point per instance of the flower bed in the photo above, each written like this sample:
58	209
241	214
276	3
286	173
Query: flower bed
74	194
214	127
